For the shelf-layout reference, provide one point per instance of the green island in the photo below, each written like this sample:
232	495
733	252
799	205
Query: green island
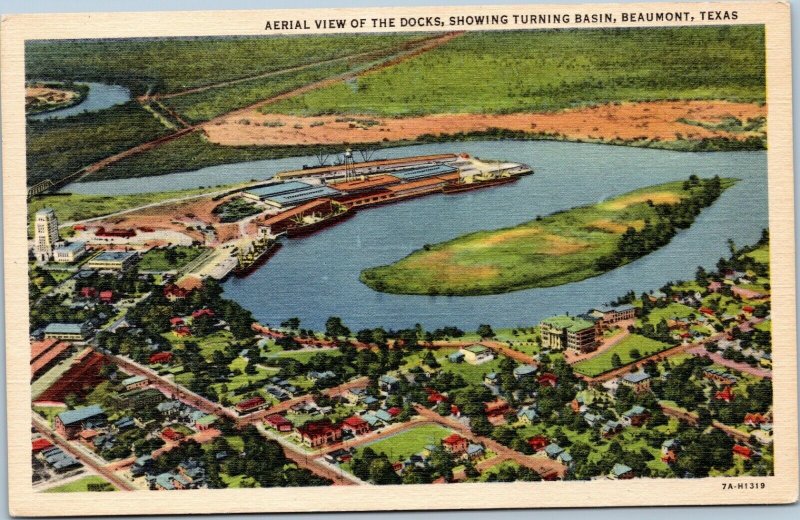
564	247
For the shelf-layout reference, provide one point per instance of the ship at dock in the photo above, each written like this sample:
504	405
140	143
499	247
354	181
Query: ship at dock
251	256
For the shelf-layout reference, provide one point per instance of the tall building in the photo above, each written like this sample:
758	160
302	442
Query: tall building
45	234
562	332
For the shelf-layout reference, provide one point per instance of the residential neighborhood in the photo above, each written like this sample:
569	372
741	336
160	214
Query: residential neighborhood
156	381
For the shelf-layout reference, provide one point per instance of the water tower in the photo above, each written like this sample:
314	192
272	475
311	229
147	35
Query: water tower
349	166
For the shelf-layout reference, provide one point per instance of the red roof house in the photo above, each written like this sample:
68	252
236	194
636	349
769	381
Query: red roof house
725	395
548	379
171	435
748	309
455	443
706	311
742	451
160	357
496	407
203	312
318	433
173	292
40	444
394	411
182	331
538	443
355	425
436	397
754	419
249	405
88	292
279	422
176	320
106	296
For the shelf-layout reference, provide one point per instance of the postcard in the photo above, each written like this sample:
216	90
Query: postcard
399	258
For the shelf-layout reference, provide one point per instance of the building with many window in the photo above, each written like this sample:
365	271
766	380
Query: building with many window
45	234
568	332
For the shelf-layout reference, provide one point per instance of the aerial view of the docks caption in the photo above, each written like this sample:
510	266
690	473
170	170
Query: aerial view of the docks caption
386	259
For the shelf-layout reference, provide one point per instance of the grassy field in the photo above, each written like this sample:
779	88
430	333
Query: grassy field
602	362
409	442
303	355
173	64
760	255
82	485
671	311
156	259
560	248
550	70
58	147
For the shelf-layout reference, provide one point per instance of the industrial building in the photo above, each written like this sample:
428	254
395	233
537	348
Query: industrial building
113	260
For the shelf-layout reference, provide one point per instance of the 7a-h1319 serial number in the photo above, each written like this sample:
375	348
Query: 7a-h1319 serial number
731	486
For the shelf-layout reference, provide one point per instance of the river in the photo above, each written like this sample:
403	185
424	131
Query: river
99	97
317	276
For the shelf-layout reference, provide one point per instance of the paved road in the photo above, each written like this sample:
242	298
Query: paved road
571	358
741	367
81	455
545	467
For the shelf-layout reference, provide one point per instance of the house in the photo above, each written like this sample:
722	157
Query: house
203	312
538	443
706	311
568	332
279	423
371	402
755	419
67	253
474	451
524	371
134	382
251	405
205	422
182	332
527	415
638	381
388	384
175	321
477	354
160	357
742	451
636	416
384	416
548	379
621	472
610	428
318	433
320	376
339	456
591	419
669	451
170	435
394	411
68	331
491	379
435	397
106	296
40	444
714	286
726	394
68	424
372	420
456	357
173	292
455	444
720	376
498	407
564	458
355	425
553	450
88	292
113	260
141	465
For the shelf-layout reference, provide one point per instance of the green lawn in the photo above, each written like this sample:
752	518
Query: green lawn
494	470
560	248
157	259
472	374
408	442
602	362
238	481
549	70
49	412
304	355
82	485
760	255
670	312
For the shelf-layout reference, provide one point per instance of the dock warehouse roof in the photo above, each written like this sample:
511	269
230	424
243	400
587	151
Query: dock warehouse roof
291	199
81	414
422	172
279	188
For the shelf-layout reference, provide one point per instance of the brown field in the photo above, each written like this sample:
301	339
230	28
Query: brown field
615	227
48	95
656	120
656	197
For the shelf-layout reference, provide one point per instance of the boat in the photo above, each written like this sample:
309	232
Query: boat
321	223
464	186
248	264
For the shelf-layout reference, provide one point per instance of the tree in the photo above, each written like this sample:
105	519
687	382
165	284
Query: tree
334	327
485	331
291	323
616	362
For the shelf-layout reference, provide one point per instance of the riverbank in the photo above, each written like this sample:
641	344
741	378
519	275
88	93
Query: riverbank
561	248
45	97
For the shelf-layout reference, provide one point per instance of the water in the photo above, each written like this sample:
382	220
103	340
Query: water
317	276
99	97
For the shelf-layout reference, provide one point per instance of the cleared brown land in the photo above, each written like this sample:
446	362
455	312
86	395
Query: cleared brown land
49	95
657	120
